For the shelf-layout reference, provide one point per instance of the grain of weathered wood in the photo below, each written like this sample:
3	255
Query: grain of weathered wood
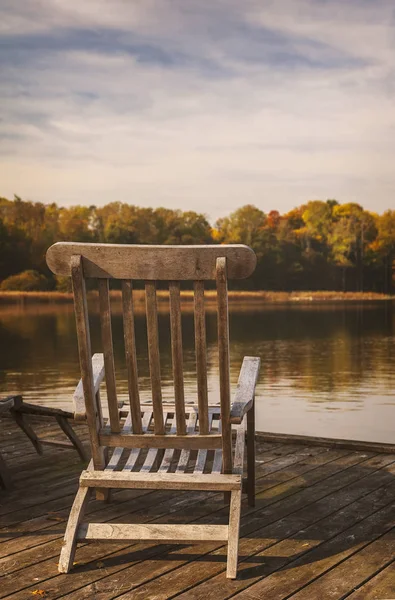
177	356
153	355
346	576
202	454
224	364
135	452
85	354
118	452
170	481
152	440
131	356
70	538
169	452
233	539
78	396
379	587
185	453
245	391
108	353
201	355
162	533
170	263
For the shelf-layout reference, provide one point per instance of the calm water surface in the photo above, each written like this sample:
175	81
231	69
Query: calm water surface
326	369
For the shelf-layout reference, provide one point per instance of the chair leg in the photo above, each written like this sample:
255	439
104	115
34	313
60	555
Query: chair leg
27	430
233	536
251	455
73	437
70	537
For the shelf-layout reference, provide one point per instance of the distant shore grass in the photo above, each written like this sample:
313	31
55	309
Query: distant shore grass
255	297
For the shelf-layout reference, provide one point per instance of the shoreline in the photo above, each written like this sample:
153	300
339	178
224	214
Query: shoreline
255	297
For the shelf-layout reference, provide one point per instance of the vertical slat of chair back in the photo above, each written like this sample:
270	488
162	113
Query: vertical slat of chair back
201	356
108	352
177	355
131	356
93	412
224	363
153	355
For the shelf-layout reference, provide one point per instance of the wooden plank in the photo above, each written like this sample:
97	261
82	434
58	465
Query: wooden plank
169	453
379	587
84	349
201	355
177	356
153	356
346	576
202	454
148	440
170	263
152	481
108	353
245	391
238	462
78	396
185	453
131	357
174	533
357	445
134	453
117	454
224	364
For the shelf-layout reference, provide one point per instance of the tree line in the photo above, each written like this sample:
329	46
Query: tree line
320	245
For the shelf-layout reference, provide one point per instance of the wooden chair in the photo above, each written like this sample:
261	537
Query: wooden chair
160	441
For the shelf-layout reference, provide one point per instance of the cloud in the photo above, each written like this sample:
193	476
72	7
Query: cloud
198	105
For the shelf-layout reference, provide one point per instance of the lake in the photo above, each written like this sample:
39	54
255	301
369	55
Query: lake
327	369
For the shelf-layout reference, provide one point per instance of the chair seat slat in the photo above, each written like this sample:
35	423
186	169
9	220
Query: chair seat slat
169	452
117	454
135	452
202	454
185	454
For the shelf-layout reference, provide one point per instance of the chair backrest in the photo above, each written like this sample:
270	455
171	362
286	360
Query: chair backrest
151	264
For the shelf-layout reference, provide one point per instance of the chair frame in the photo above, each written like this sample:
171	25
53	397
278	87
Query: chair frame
160	428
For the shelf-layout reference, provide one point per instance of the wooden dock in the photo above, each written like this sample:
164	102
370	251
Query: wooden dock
323	528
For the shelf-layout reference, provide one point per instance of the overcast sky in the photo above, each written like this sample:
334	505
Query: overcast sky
194	104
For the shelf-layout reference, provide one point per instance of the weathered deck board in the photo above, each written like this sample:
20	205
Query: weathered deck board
322	527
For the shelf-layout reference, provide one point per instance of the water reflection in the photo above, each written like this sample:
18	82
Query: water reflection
326	369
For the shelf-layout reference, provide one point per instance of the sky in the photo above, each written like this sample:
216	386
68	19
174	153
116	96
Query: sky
198	105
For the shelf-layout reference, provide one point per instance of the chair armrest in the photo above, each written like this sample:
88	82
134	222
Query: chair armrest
78	396
245	392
